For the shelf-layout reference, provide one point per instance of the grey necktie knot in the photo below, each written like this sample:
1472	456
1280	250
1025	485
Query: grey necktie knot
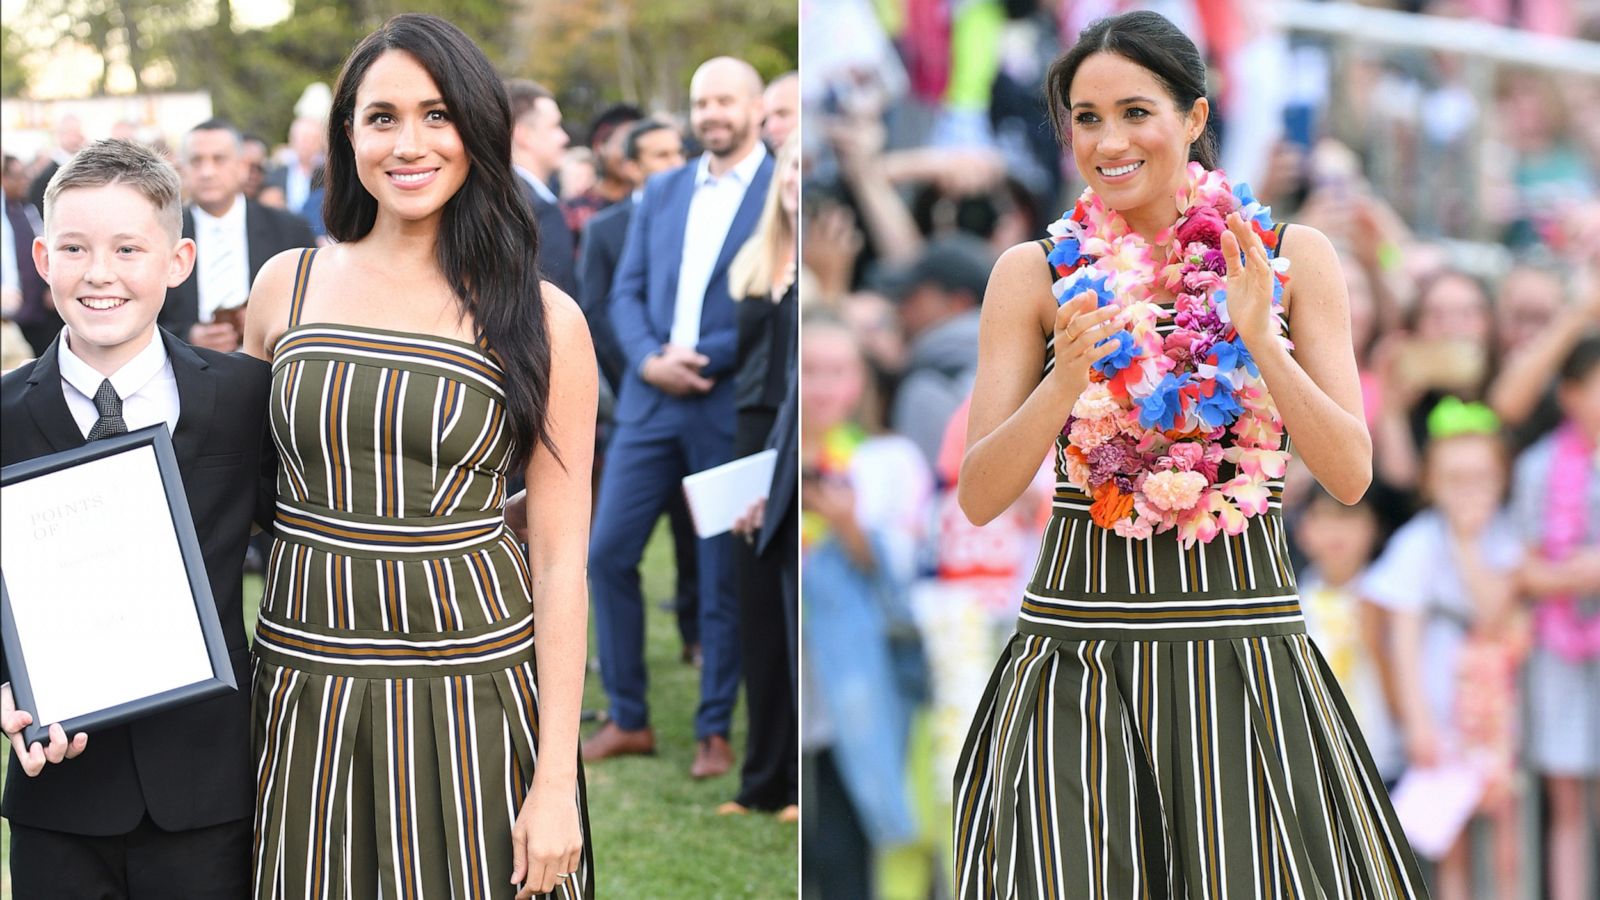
109	405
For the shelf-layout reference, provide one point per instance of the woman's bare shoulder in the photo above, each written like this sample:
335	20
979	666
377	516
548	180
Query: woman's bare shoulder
271	294
1315	276
1019	289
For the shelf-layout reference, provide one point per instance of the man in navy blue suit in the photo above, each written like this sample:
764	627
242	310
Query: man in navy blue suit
538	143
652	147
675	323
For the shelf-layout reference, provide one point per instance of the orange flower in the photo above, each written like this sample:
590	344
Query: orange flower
1110	505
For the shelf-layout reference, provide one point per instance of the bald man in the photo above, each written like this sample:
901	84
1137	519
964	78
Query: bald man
782	102
676	327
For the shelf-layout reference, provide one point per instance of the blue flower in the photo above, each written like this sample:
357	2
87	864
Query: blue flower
1221	408
1262	215
1064	253
1162	408
1101	285
1120	358
1233	355
1088	280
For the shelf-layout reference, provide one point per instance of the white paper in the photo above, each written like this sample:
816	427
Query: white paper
94	573
719	496
1434	804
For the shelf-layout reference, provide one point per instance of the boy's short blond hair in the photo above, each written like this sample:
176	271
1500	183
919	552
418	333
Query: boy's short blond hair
115	161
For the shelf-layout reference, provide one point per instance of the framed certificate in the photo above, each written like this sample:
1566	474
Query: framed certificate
106	612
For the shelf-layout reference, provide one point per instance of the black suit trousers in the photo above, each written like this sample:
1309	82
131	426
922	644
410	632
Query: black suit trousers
770	777
145	864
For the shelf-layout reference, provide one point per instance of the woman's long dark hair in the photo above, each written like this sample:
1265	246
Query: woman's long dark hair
488	243
1150	40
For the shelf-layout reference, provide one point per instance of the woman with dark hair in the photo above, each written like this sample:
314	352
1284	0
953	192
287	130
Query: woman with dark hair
416	712
1160	726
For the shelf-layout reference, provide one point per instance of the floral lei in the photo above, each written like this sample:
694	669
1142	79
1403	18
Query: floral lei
1145	439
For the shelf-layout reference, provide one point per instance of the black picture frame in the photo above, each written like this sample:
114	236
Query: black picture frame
16	645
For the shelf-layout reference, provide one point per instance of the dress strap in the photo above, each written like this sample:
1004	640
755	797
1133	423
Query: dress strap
1277	246
1048	244
302	274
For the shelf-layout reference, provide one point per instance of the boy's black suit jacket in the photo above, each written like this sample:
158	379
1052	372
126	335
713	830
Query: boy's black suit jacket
189	767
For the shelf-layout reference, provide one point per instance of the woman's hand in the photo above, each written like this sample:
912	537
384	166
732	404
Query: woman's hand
748	526
516	514
1080	328
546	841
1249	284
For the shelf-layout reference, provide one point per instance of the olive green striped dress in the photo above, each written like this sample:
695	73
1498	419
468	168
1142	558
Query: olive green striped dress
1160	727
396	719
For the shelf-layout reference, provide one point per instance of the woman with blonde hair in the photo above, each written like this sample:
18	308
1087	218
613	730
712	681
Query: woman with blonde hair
763	280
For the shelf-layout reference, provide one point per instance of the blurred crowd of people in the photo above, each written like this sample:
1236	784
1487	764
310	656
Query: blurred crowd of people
1458	602
733	163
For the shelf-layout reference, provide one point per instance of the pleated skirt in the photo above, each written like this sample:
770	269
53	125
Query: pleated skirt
393	763
1200	769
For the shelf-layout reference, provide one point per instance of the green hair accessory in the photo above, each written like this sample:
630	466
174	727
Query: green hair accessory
1454	417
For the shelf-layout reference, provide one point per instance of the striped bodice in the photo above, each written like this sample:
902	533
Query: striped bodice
386	424
393	450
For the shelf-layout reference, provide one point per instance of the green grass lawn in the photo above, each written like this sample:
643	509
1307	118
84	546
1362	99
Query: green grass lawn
656	831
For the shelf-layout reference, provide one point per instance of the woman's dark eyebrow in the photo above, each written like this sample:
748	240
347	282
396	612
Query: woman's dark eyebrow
386	105
1123	102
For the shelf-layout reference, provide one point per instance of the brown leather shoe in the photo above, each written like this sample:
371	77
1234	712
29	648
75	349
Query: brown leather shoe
612	740
715	757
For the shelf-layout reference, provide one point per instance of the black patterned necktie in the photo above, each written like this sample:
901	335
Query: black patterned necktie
110	407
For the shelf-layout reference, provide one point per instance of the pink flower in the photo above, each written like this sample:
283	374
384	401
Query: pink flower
1077	471
1095	402
1138	529
1255	431
1129	423
1187	456
1202	282
1155	444
1260	463
1088	434
1174	491
1250	493
1182	338
1160	518
1196	526
1210	462
1203	225
1233	521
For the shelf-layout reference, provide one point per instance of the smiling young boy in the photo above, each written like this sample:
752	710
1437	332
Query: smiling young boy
160	807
